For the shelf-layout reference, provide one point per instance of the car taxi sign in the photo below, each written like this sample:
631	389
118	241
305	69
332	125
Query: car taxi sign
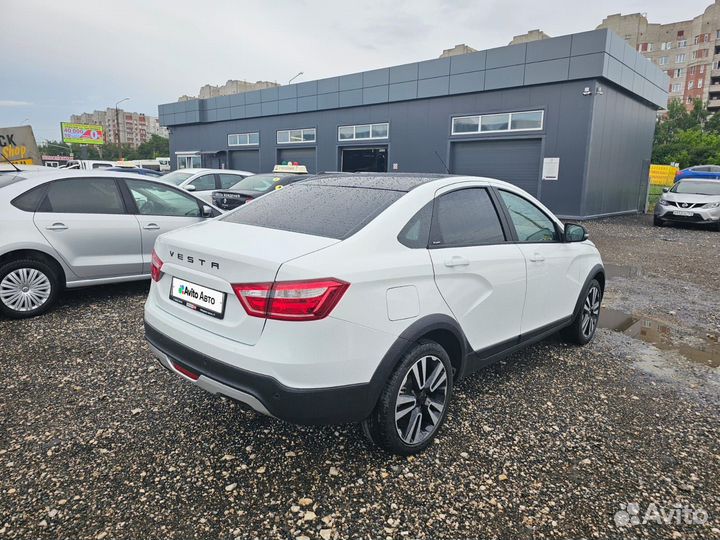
297	169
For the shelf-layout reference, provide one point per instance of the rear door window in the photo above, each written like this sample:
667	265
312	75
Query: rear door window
204	183
229	180
466	217
83	196
329	211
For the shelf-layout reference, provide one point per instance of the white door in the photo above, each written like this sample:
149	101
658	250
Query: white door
552	280
85	220
160	208
480	275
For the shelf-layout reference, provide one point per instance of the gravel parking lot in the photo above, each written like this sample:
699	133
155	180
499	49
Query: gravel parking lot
96	441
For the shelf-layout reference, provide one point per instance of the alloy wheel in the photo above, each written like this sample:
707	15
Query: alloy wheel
421	400
25	289
590	312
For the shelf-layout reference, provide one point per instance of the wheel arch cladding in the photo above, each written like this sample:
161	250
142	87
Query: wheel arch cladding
597	272
37	255
440	328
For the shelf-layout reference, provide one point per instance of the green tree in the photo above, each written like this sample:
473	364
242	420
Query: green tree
688	137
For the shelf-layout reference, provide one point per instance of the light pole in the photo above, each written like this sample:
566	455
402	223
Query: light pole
295	77
117	122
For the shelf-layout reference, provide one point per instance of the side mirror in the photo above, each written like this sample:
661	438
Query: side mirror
207	212
575	233
189	187
665	190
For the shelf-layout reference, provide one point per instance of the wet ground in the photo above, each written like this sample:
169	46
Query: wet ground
556	442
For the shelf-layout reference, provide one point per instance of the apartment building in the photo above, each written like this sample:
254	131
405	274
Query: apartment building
125	127
687	51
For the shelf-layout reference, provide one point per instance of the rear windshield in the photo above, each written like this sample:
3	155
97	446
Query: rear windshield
329	211
258	182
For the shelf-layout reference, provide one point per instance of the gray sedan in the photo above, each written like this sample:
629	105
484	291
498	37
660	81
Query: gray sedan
71	228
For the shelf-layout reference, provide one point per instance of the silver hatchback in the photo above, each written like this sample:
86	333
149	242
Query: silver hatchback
690	201
71	228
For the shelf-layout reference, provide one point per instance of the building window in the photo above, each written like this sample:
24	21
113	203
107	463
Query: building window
702	68
662	61
243	139
680	58
699	83
650	47
188	161
666	46
682	43
363	132
697	40
296	136
691	85
493	123
676	88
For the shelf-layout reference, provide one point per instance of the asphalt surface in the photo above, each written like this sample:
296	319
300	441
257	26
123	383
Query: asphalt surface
97	442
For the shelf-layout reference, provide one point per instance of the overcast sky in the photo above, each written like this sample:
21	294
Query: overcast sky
60	58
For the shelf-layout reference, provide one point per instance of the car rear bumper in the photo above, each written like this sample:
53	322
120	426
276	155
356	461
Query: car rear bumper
334	405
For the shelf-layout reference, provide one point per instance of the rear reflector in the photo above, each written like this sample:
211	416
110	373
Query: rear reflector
189	374
291	300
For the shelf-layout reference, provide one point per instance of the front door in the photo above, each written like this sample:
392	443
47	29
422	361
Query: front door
160	209
85	220
480	275
553	285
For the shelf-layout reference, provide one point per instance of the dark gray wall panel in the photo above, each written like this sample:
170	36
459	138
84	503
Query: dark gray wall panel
594	41
350	82
308	88
467	82
433	87
400	91
328	101
549	49
287	92
589	65
350	98
404	73
237	99
269	94
434	68
287	106
547	71
325	86
505	56
465	63
271	107
308	103
252	97
504	77
254	109
375	94
376	77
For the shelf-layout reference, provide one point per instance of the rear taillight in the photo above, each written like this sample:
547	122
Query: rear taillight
156	267
291	300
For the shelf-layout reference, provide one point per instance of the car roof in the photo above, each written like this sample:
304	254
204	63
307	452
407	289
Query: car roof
390	181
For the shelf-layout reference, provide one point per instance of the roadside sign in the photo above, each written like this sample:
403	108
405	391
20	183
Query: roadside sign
82	133
18	145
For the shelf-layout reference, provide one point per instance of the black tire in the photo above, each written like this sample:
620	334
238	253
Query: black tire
578	332
658	222
46	270
381	426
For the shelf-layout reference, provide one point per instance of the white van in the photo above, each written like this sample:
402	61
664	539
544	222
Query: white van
87	164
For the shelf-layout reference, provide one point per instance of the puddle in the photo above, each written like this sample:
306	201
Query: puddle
622	271
703	350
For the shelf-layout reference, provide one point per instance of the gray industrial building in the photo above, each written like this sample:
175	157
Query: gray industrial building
569	119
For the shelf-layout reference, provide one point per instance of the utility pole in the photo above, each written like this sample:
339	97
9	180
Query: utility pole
117	124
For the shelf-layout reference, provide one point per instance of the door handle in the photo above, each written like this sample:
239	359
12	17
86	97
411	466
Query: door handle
536	257
456	261
151	227
56	227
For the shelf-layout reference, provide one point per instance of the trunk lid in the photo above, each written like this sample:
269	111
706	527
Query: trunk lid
217	254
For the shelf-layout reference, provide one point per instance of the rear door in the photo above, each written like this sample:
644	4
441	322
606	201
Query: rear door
479	273
86	221
553	279
160	208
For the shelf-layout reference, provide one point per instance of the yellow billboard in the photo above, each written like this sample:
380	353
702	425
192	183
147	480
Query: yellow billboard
82	133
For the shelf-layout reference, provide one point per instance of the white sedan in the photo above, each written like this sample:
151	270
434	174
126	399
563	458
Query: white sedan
202	182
